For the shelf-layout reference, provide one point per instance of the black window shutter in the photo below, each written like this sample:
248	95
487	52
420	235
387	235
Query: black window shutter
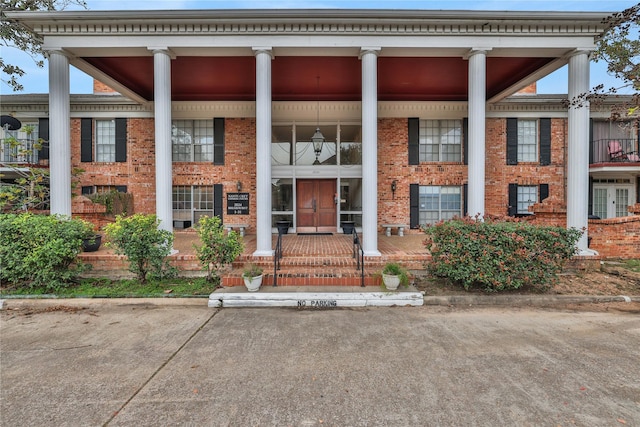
513	200
414	205
543	190
465	199
465	140
637	189
217	201
414	140
545	142
43	136
121	188
512	141
590	209
87	190
86	140
218	141
121	140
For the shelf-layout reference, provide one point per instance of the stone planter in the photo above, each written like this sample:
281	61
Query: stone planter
391	282
252	283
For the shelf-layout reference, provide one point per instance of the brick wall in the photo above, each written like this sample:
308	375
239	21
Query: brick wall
616	237
393	165
138	173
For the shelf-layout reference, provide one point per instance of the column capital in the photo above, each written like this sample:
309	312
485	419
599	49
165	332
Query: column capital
59	51
577	52
263	49
477	50
162	49
366	50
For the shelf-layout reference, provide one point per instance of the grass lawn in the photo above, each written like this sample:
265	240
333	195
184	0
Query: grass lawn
180	287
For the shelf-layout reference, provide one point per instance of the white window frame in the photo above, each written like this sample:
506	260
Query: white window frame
195	137
528	136
440	140
105	140
527	196
442	212
193	202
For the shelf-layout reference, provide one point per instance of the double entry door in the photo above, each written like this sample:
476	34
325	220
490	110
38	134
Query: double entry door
316	205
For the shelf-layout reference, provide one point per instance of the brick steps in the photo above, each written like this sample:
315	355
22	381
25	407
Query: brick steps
308	277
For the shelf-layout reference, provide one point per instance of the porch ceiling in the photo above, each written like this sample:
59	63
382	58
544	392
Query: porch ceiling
325	78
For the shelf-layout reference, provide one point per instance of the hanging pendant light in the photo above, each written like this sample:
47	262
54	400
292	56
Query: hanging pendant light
318	138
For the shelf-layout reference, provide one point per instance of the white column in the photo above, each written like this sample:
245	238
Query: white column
59	134
369	58
162	116
476	138
578	150
263	151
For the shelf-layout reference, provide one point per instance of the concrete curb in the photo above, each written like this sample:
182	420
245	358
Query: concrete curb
526	300
361	299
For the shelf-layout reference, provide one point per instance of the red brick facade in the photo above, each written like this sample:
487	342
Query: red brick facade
612	238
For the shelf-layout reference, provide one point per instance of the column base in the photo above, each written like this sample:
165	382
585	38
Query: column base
263	253
372	253
587	252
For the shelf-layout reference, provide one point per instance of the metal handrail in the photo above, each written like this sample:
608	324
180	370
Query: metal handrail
358	253
277	258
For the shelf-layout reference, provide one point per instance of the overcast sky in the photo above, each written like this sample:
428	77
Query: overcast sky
36	79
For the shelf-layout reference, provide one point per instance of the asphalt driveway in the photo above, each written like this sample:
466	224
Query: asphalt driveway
92	363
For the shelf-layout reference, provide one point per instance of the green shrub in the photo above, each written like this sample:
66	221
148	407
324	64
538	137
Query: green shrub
217	249
41	250
145	246
252	270
499	255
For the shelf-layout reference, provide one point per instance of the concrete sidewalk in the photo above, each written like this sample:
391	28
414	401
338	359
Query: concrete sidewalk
177	362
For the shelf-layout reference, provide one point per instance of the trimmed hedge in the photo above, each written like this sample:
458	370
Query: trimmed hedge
499	255
41	250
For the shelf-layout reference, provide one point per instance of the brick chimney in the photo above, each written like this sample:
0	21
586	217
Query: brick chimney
100	88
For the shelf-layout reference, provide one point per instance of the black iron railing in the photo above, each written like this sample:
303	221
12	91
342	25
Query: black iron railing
358	253
277	257
613	150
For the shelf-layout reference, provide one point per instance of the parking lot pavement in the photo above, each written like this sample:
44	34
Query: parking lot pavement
145	364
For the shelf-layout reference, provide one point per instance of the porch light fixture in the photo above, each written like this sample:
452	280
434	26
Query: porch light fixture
318	137
239	186
394	186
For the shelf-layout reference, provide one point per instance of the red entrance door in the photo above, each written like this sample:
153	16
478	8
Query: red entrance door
316	207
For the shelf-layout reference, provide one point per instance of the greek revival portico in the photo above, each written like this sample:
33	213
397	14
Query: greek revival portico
405	58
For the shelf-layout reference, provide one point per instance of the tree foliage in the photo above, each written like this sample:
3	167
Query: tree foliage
14	35
619	47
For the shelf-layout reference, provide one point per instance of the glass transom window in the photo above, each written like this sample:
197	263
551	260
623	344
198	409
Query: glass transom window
440	140
527	141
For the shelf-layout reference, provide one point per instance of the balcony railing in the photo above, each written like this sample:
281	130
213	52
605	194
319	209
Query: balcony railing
22	151
614	151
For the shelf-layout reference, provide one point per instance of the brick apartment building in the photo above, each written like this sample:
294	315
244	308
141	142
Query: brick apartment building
416	116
